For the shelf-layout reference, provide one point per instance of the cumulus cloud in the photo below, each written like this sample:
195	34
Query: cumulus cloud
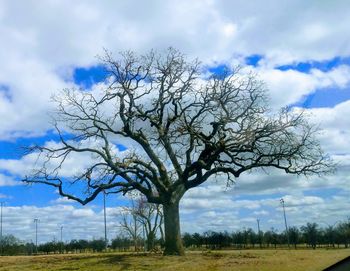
61	200
77	222
76	163
290	86
335	126
7	180
41	51
237	214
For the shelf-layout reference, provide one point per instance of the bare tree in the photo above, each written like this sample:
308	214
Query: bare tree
150	215
142	217
131	226
180	129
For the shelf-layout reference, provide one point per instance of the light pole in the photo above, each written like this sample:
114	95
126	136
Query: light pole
258	221
105	219
285	220
2	204
36	220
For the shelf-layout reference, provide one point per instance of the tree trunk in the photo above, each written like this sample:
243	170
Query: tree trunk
150	241
173	242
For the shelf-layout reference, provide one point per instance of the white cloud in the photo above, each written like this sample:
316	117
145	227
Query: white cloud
40	50
39	47
261	213
77	222
76	163
7	180
335	126
302	201
205	204
61	200
290	86
300	209
81	213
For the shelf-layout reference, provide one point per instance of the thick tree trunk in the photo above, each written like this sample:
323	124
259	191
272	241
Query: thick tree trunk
173	242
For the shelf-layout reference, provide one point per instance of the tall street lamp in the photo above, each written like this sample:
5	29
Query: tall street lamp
285	220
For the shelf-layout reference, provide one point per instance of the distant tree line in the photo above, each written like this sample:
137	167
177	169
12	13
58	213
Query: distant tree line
310	235
14	246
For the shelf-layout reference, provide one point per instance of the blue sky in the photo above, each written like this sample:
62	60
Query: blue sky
304	63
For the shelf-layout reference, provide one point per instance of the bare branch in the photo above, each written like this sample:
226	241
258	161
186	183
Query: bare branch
178	127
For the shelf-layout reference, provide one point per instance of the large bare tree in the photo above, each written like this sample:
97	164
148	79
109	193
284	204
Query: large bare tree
180	126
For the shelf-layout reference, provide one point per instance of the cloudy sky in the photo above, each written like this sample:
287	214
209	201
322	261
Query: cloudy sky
301	49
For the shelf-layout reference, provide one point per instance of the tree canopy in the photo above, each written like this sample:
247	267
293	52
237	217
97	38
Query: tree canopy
180	127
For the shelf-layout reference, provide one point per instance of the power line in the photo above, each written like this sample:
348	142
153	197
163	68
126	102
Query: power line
285	221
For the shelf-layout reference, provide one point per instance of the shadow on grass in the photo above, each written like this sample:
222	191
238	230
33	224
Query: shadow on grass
123	261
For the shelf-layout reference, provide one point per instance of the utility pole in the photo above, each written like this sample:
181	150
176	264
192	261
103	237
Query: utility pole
258	220
285	220
1	242
105	220
36	220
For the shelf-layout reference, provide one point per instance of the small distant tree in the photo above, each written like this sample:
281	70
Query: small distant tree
47	247
343	229
294	233
271	237
121	243
197	240
338	235
180	127
78	245
238	239
187	239
275	237
142	217
131	225
150	216
310	232
97	245
249	237
11	245
253	237
329	236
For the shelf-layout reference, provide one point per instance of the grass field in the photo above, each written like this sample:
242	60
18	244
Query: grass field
269	260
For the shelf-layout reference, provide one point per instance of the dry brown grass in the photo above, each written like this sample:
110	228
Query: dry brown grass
262	260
